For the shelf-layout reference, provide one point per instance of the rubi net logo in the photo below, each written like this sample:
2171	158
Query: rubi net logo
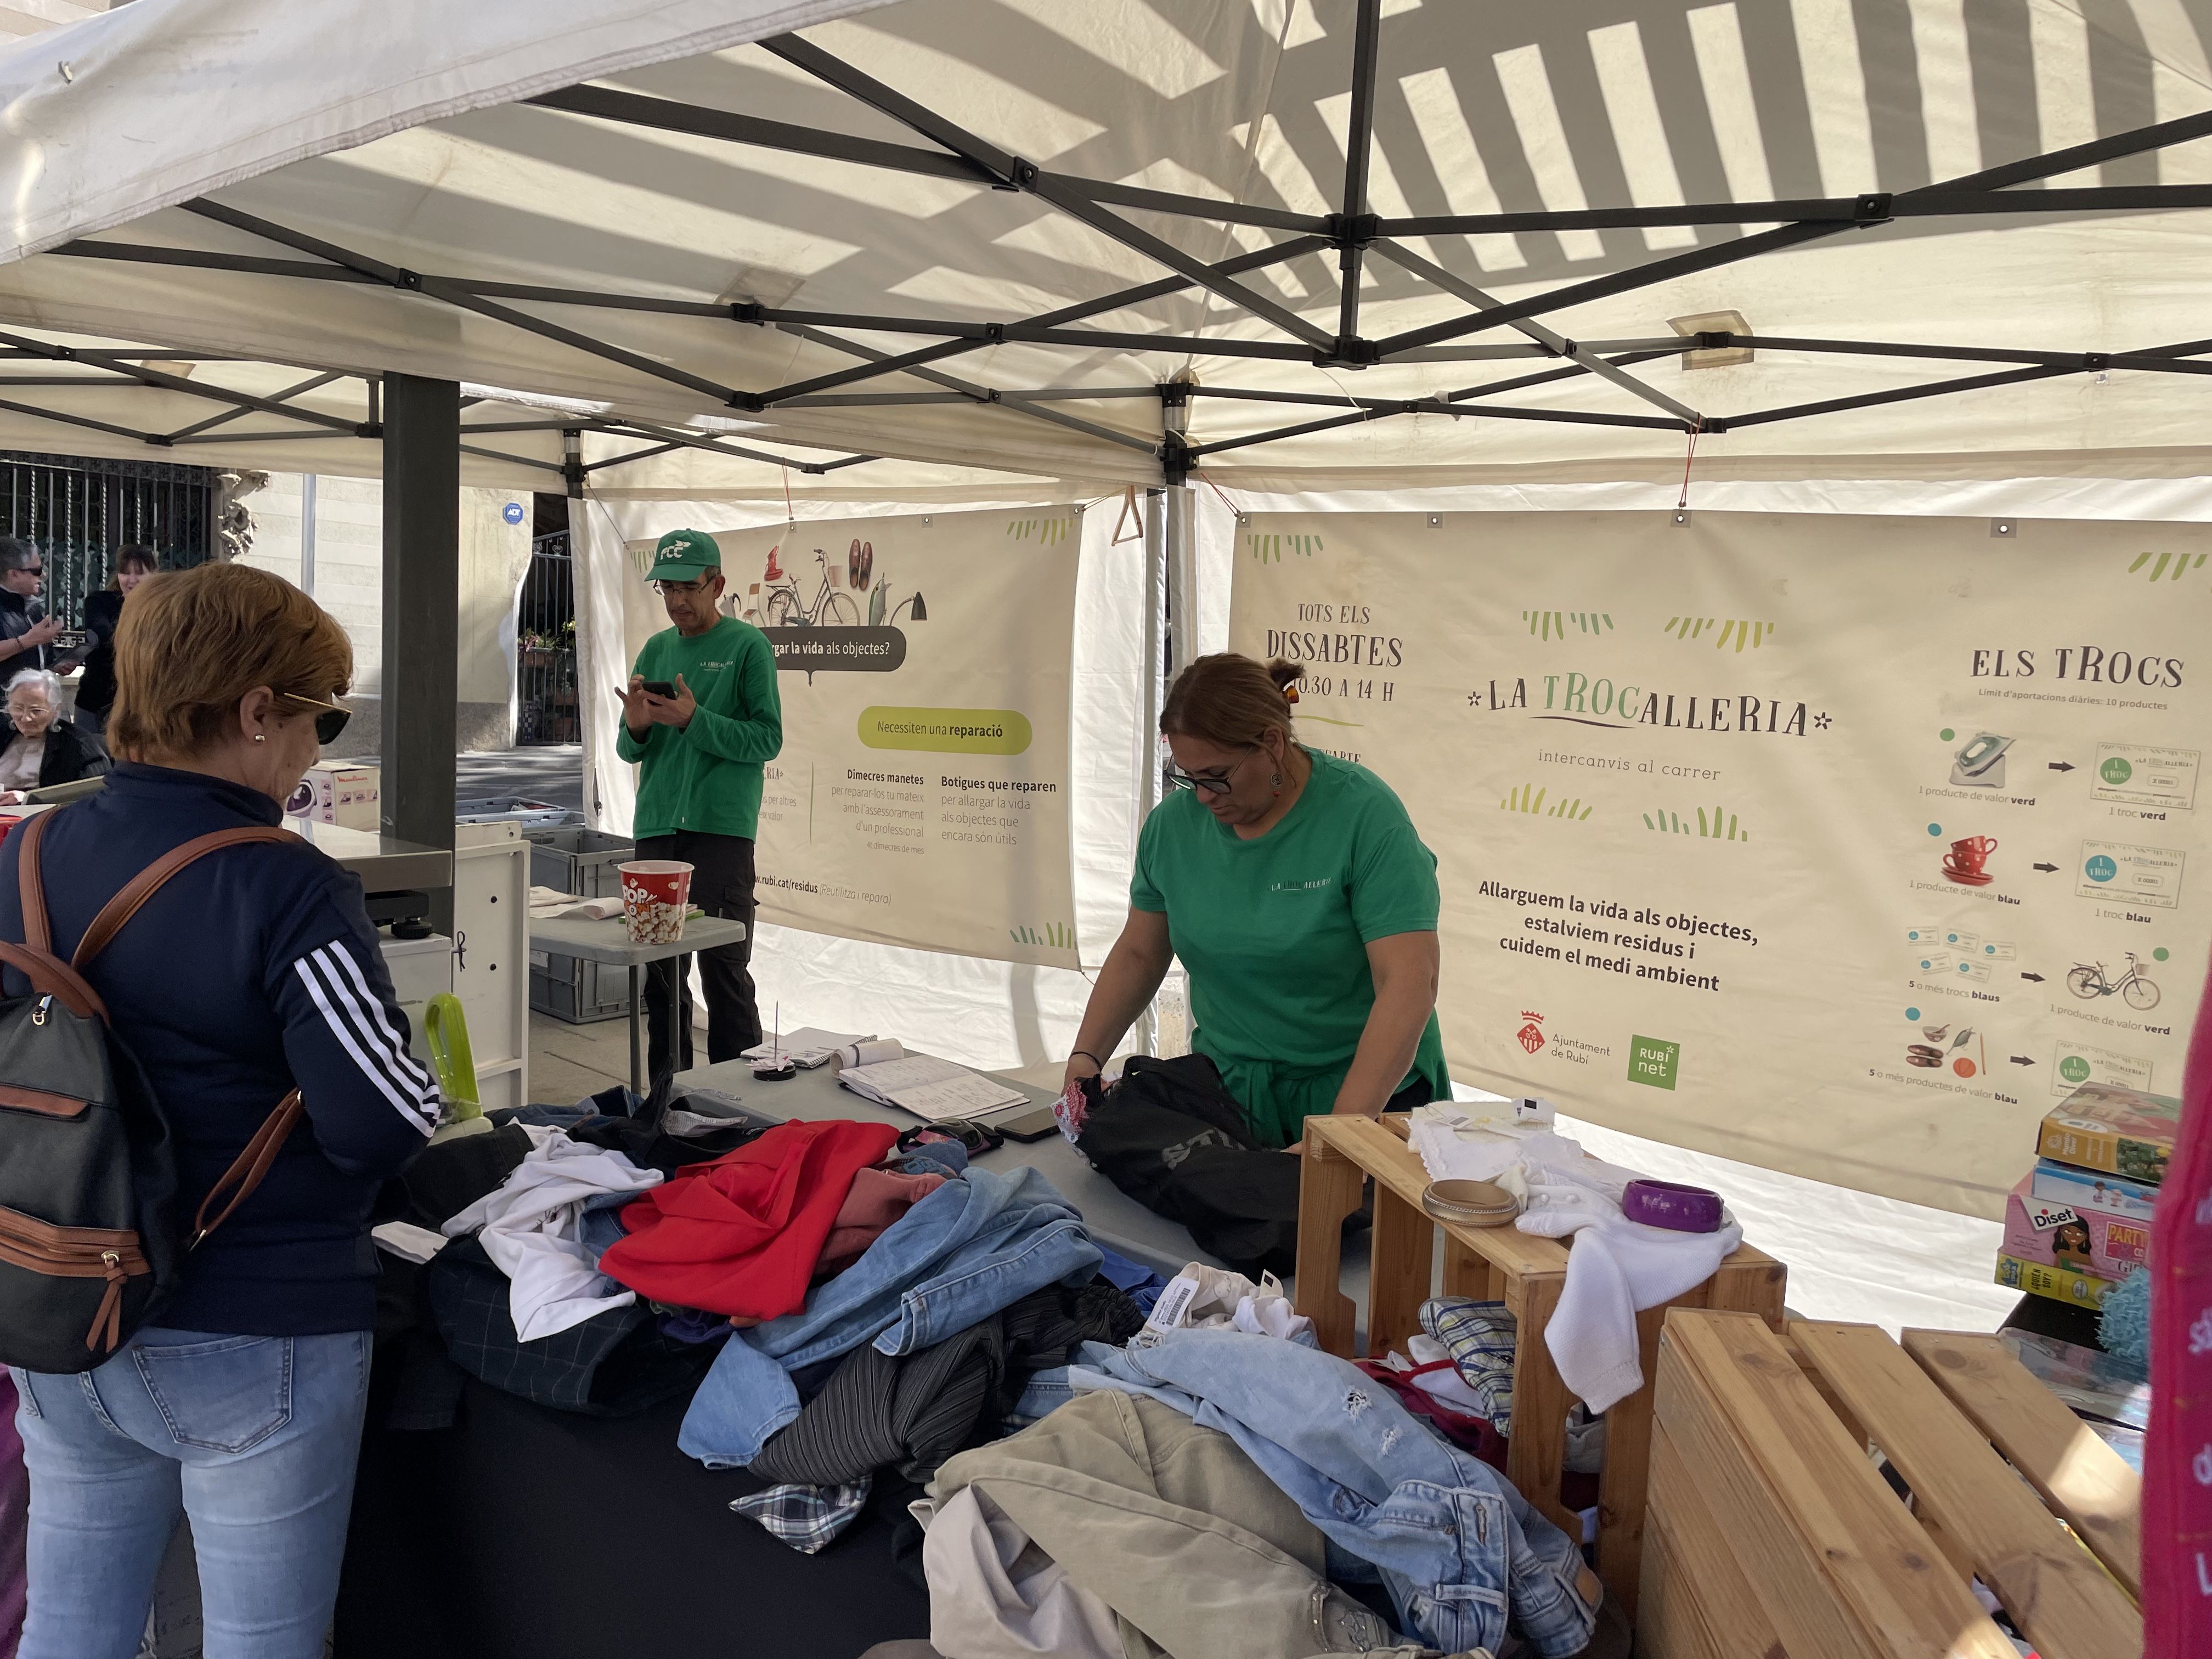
1532	1034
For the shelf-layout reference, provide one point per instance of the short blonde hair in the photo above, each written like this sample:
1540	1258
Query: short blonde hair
192	643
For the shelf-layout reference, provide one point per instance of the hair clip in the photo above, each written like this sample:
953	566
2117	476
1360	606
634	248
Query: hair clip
1291	692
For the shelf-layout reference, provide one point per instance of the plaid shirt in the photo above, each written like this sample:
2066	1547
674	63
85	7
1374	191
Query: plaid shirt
808	1518
1481	1337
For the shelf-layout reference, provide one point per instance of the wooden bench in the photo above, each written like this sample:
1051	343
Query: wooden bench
1772	1531
1493	1264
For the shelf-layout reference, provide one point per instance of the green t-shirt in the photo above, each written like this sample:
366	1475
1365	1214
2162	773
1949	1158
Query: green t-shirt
1274	933
706	776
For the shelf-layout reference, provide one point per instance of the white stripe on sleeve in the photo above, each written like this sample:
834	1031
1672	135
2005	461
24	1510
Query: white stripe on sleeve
405	1097
366	1003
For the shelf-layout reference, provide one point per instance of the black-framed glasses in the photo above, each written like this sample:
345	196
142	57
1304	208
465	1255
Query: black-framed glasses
31	570
1213	783
691	587
328	724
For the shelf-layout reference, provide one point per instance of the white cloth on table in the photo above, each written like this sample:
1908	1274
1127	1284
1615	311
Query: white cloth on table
531	1228
1614	1268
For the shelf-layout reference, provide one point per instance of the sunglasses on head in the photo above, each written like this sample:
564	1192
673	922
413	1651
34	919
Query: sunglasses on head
328	724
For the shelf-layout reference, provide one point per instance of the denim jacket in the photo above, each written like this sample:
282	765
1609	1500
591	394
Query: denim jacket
976	1245
1458	1548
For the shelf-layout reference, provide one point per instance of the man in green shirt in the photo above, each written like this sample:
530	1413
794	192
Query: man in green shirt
700	715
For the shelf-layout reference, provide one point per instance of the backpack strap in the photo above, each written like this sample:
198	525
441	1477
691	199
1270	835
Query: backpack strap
35	958
143	886
246	1169
48	973
37	933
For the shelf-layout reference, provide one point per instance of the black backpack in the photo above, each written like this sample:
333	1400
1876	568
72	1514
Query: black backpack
89	1248
1173	1138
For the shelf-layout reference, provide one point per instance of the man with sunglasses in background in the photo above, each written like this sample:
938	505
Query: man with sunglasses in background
25	631
701	715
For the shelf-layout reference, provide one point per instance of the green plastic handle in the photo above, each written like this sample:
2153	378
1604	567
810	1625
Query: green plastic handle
446	1031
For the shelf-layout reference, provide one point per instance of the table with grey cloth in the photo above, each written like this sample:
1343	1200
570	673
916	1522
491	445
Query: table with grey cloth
1114	1218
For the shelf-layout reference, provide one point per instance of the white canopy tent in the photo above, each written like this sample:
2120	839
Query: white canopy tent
674	254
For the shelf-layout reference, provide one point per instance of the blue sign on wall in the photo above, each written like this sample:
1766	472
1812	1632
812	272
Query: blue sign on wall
513	512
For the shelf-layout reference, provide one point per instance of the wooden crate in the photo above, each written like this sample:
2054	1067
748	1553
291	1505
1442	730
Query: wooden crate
1493	1264
1772	1532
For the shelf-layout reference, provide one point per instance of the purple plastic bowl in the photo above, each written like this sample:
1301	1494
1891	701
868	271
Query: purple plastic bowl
1672	1205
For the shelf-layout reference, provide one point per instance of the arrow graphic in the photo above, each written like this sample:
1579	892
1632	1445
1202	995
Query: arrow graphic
2062	766
2038	978
2021	1060
2048	867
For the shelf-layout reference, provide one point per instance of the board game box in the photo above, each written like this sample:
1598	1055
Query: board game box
2102	1125
2094	1189
2079	1241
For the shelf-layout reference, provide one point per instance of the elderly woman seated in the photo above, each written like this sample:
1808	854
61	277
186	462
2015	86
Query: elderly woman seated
46	750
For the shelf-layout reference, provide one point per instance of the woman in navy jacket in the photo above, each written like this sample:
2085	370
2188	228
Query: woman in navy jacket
253	971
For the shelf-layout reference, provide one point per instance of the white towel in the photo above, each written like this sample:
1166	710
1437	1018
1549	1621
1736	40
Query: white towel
1614	1268
531	1228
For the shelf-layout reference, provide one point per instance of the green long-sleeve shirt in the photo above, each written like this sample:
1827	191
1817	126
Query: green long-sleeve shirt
706	776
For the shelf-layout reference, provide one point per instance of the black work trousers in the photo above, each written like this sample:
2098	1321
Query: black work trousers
722	885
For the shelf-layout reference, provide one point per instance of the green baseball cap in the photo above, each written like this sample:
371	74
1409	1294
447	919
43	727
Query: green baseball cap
683	556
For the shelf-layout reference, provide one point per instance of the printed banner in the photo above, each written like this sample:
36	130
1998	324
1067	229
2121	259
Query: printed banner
1842	845
922	796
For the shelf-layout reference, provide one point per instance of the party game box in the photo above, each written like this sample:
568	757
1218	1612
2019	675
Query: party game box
2073	1240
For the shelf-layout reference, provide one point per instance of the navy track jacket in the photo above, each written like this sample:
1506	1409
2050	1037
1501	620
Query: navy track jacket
251	972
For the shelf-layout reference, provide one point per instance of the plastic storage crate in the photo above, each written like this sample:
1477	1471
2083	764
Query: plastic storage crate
570	859
513	808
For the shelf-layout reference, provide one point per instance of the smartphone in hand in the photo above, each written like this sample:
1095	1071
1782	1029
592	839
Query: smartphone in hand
659	687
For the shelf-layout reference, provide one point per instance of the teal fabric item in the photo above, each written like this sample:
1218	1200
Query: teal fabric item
2123	1326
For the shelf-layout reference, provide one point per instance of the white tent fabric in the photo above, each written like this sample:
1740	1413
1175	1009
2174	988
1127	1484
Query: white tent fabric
393	134
385	136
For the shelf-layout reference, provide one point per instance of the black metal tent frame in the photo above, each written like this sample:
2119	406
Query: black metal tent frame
1353	233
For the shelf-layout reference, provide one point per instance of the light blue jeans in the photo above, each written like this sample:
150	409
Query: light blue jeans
1457	1548
972	1246
254	1437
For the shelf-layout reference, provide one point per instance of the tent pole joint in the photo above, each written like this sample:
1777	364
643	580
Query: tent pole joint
1178	460
1349	351
1873	209
1353	229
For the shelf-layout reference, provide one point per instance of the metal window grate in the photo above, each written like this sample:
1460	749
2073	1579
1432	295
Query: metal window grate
78	512
546	708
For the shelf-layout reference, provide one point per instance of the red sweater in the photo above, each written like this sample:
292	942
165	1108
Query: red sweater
741	1235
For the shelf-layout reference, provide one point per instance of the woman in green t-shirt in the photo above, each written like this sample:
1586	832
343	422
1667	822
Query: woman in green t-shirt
1302	904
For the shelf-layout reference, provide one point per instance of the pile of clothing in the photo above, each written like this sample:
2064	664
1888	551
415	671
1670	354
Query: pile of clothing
1211	1490
855	1304
1088	1461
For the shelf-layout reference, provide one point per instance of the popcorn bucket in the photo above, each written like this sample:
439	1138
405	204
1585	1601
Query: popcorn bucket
655	893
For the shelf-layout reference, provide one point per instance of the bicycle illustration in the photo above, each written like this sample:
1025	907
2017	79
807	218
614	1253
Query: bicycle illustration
782	606
778	602
2088	981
